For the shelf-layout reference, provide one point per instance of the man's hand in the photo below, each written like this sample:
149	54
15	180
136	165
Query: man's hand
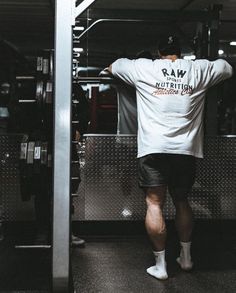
109	69
106	71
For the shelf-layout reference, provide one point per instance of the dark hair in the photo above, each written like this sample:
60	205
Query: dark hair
169	46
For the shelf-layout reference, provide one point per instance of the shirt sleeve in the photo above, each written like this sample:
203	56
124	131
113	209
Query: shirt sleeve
125	70
218	71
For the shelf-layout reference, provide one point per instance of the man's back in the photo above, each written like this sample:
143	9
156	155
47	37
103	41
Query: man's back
170	100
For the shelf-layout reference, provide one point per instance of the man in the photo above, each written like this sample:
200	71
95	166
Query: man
170	101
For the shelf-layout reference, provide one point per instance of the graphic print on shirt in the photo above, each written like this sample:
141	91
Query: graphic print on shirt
173	84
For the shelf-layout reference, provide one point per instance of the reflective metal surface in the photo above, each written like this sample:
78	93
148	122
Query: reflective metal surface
62	146
10	199
109	188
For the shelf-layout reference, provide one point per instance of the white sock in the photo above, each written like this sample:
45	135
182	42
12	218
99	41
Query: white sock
159	270
184	260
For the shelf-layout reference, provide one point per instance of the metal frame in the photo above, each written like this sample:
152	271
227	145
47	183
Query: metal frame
84	5
147	15
64	20
62	141
106	20
213	46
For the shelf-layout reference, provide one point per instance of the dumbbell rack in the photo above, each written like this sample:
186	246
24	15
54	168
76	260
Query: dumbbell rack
35	161
36	148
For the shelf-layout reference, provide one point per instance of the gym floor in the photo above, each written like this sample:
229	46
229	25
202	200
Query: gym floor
116	256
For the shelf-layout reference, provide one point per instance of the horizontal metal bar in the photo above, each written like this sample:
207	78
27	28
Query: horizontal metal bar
96	79
105	20
33	246
26	101
149	15
230	135
25	77
107	134
125	135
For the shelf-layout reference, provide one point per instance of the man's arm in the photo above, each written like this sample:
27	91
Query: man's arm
219	70
109	69
106	71
224	68
124	69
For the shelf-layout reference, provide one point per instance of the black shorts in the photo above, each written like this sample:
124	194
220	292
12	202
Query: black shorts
172	170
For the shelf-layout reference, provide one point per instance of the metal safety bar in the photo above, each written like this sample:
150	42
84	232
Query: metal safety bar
32	246
106	20
149	14
25	77
96	79
26	101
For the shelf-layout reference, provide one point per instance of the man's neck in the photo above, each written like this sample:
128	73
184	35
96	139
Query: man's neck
170	57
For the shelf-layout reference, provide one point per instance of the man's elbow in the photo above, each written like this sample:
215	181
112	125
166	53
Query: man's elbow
226	68
109	69
232	70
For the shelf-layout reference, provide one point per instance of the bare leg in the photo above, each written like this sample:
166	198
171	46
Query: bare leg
156	229
184	220
155	223
184	226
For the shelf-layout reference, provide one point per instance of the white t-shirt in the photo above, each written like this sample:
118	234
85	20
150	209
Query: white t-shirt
170	101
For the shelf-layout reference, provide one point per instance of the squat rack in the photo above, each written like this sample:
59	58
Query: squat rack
66	13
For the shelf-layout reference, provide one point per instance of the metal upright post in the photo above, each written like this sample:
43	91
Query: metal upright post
213	31
64	20
211	122
62	142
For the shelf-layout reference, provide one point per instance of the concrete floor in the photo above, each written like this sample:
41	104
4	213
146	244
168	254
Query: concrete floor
116	262
119	264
